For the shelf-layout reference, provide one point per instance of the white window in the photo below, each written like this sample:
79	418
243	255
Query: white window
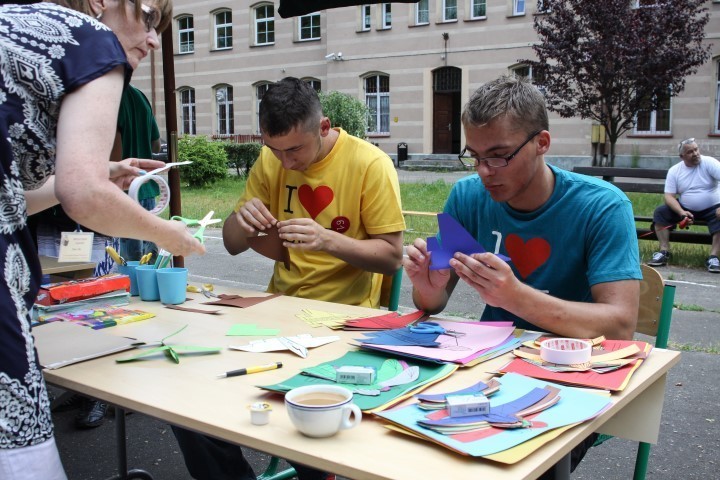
387	15
309	27
314	83
518	7
652	122
187	111
186	34
223	30
717	98
366	20
522	71
422	12
265	25
478	9
224	107
449	10
377	99
259	92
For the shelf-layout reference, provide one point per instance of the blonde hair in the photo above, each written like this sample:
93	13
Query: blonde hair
165	8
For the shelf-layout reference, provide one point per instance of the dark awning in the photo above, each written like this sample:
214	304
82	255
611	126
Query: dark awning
294	8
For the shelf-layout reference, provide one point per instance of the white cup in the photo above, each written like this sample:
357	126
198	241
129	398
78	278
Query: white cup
322	410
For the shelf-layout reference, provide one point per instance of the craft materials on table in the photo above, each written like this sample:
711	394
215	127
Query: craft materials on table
201	224
115	298
452	238
240	301
297	344
317	318
163	200
395	379
385	322
250	330
99	317
170	351
74	290
532	406
249	370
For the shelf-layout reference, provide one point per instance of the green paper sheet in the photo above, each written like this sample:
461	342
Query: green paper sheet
251	330
429	374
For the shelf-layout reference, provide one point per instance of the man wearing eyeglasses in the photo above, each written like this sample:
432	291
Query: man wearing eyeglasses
691	192
574	266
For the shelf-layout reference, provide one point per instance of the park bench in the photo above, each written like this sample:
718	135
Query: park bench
643	180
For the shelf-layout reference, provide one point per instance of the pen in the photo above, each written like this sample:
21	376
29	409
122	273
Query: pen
248	370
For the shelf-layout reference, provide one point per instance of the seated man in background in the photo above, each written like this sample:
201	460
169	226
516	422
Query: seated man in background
574	266
691	192
335	200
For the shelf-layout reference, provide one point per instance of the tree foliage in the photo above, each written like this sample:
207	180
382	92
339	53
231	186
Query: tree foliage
208	157
242	155
608	60
345	111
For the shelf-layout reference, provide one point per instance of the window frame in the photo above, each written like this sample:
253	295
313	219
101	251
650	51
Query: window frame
382	102
268	24
418	11
188	32
516	7
224	110
446	9
225	26
312	17
386	16
471	9
653	119
365	17
257	94
188	111
716	121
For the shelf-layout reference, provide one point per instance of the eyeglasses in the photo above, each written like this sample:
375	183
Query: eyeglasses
150	16
471	161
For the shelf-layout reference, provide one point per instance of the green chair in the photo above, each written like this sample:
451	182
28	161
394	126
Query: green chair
390	298
654	316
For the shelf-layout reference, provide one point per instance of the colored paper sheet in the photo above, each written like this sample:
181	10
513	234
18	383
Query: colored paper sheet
385	322
318	318
250	330
452	238
239	301
270	245
302	341
615	380
477	337
574	406
429	374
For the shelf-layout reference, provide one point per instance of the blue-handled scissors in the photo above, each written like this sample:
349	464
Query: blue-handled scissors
433	327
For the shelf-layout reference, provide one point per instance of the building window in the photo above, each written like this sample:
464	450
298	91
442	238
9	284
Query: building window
309	27
717	98
314	83
186	34
422	12
449	10
478	9
653	122
265	25
377	99
386	15
225	112
366	18
187	111
522	71
223	30
259	93
518	7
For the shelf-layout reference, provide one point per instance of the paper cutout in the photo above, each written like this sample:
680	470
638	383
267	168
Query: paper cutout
452	238
271	246
170	351
401	337
239	301
193	310
318	318
385	322
249	330
275	344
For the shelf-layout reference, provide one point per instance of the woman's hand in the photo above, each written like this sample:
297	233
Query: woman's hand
122	173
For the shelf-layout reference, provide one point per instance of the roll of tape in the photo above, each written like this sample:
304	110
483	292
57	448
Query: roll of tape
164	199
565	351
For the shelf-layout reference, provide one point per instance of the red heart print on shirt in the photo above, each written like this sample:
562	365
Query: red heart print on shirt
316	200
527	256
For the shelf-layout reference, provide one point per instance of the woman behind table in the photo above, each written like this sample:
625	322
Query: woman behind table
63	71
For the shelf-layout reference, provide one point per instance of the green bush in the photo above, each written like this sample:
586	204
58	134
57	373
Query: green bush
345	111
208	157
242	155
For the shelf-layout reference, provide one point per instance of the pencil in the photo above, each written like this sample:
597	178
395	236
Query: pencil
249	370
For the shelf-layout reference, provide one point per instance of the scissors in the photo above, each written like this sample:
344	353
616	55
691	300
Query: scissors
145	259
433	327
115	256
207	220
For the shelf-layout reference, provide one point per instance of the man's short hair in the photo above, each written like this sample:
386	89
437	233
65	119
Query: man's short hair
508	95
287	104
683	143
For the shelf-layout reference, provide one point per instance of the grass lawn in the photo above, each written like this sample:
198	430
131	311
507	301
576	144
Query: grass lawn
427	197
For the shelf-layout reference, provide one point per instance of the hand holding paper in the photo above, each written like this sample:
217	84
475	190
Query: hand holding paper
452	238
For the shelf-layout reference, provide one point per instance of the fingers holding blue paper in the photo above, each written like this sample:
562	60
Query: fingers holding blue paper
452	238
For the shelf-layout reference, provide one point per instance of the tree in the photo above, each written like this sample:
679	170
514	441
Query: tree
609	60
209	160
345	111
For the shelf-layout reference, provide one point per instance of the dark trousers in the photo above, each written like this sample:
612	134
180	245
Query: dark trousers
208	458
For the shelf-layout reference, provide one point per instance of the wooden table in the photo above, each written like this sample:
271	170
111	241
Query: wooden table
189	395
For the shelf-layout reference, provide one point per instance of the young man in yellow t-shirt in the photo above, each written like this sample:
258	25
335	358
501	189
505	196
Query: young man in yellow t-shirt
335	199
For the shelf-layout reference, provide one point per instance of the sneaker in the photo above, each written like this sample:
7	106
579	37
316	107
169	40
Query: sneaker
713	264
92	414
660	258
